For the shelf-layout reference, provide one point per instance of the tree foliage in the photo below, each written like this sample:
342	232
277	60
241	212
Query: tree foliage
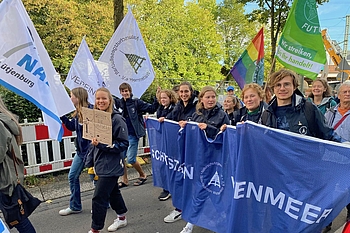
237	32
182	41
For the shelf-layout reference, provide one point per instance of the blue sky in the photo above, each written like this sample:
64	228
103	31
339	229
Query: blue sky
332	16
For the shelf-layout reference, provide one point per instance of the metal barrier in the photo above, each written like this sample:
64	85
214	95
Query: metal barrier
42	155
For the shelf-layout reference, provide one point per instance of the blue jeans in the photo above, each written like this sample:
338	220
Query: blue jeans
74	184
132	149
106	190
25	226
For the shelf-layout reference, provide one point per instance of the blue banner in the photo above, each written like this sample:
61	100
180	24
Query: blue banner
250	179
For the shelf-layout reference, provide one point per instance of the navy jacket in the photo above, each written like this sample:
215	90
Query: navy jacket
136	108
81	143
182	113
108	160
214	118
242	114
163	112
303	118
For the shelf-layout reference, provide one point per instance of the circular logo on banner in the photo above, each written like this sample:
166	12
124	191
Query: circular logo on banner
306	16
127	62
212	179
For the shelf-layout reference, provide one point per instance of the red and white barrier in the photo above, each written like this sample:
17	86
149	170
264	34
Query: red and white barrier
42	155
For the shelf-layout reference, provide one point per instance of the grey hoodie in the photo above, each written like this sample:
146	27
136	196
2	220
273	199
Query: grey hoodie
8	179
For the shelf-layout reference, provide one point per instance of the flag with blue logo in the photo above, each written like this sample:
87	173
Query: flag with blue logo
26	68
253	178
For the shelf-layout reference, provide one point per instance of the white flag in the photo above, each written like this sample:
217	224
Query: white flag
128	59
84	72
26	68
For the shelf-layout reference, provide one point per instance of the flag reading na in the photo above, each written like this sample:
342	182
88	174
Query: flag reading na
300	47
128	59
26	68
84	72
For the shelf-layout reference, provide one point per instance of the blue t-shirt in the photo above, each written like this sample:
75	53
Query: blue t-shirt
282	122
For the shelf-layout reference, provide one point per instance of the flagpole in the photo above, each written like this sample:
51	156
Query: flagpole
270	72
222	81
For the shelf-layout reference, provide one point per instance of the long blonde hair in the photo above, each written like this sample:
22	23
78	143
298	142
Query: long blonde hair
3	109
111	103
82	96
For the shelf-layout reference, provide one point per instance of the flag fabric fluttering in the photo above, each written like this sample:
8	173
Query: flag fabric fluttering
127	59
84	72
250	66
300	47
26	68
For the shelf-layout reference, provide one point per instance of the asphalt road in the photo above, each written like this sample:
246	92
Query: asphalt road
145	214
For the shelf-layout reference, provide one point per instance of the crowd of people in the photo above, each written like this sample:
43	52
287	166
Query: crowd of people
279	104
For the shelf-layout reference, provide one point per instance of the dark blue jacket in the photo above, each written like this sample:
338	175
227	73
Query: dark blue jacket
136	108
182	113
163	112
81	143
303	118
242	114
214	118
108	160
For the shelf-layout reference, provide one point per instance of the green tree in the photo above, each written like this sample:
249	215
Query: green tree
62	24
235	39
20	106
182	41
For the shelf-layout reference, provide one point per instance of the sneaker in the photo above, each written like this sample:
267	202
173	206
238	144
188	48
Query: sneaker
186	230
117	224
94	231
173	216
68	211
165	195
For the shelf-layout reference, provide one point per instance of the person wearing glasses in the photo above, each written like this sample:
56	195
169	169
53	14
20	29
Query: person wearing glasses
291	111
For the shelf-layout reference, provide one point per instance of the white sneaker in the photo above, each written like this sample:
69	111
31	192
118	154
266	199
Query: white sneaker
94	232
117	224
68	211
186	230
173	216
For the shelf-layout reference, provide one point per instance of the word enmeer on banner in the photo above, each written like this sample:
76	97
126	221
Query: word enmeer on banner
288	191
97	124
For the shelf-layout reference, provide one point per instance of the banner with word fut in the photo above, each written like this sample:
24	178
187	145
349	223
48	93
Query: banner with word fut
250	179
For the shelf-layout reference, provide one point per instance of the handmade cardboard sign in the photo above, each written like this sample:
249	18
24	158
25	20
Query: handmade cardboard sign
97	124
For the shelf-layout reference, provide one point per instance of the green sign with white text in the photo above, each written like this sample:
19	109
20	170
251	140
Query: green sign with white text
300	47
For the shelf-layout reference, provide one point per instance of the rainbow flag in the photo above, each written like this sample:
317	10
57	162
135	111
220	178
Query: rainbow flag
250	66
